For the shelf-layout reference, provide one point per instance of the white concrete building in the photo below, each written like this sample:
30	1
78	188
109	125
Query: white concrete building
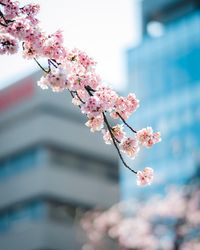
50	165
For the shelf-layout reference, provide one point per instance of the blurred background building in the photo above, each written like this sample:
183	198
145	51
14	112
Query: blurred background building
51	167
164	72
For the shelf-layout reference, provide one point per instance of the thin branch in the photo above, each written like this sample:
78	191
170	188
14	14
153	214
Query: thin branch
2	15
88	90
79	97
72	95
4	25
46	71
52	62
114	136
115	144
4	19
133	130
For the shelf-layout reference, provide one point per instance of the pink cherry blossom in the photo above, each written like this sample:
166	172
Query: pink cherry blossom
92	106
133	103
20	29
91	79
6	2
145	177
10	9
83	94
76	101
117	132
32	47
30	9
125	106
81	57
79	78
56	79
156	137
80	98
95	123
107	97
52	46
130	147
107	137
147	138
8	44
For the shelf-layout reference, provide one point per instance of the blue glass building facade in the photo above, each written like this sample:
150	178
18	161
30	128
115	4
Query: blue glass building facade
164	73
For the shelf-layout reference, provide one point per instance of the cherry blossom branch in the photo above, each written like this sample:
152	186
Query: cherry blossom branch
123	120
115	144
74	71
112	136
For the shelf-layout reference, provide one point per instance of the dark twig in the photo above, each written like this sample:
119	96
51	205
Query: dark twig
115	144
114	135
4	19
133	130
72	95
88	90
4	25
53	62
46	71
2	15
79	97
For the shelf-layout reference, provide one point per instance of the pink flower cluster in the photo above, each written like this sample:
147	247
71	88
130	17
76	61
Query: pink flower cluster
145	177
124	107
140	224
56	79
147	138
130	147
72	70
8	45
11	9
117	132
95	123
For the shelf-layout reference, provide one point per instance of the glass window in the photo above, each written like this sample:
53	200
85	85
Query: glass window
15	164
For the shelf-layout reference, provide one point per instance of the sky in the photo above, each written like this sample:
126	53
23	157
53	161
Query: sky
105	29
